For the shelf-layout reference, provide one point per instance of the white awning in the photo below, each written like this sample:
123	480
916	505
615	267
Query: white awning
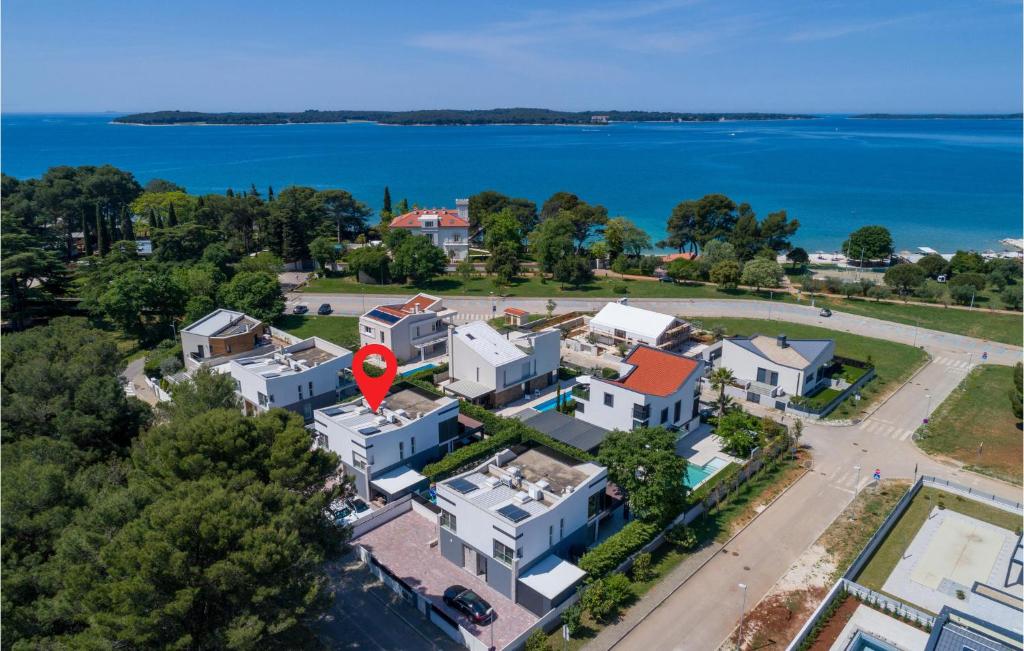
397	479
552	576
467	389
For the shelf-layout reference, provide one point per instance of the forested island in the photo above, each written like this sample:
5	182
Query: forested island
939	116
442	117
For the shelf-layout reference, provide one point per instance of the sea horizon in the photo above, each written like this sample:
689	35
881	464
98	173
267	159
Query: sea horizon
946	183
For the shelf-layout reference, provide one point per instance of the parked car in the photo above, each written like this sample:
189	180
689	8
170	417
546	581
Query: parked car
666	279
469	604
324	310
348	511
825	312
300	309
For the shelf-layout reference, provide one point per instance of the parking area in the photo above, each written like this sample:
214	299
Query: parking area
404	547
368	615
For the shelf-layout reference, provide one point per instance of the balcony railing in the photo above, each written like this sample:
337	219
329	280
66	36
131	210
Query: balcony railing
581	391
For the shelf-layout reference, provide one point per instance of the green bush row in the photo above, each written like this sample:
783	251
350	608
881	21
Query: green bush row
607	556
501	432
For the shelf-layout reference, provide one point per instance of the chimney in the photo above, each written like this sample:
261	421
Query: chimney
462	207
781	341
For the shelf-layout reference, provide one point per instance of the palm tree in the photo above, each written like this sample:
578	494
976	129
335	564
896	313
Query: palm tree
720	379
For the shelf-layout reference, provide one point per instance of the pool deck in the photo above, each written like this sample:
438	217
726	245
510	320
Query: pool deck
547	393
885	628
701	446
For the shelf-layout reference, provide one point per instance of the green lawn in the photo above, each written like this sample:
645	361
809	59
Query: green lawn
532	286
893	362
978	413
341	330
891	550
1004	328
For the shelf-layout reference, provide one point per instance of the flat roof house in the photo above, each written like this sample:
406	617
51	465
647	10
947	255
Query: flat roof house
412	330
448	229
513	520
301	377
219	335
618	323
384	450
494	369
778	366
655	387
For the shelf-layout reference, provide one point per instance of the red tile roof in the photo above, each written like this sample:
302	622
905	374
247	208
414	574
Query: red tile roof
678	256
656	372
447	218
515	311
423	301
419	300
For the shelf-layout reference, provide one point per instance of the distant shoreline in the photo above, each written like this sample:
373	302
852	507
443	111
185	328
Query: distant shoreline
447	124
507	117
938	116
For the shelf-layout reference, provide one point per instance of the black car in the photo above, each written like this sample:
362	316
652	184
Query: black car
666	279
825	312
324	309
469	604
300	309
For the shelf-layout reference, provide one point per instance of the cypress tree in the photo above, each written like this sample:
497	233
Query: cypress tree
154	221
270	193
86	233
230	193
387	200
102	234
253	192
127	230
115	229
172	218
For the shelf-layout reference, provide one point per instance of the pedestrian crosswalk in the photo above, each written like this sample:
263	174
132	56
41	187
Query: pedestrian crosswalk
961	364
850	478
885	430
469	317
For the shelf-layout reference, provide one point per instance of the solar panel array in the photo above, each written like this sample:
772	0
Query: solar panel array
384	316
513	513
462	485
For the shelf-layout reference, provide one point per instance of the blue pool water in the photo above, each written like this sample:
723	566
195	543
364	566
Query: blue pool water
697	475
940	183
548	405
417	370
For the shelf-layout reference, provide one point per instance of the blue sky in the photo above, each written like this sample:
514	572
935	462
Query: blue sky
682	55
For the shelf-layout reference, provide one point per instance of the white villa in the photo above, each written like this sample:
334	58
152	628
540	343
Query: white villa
655	388
777	366
448	229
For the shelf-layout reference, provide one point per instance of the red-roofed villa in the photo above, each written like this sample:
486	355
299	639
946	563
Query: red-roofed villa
655	387
446	228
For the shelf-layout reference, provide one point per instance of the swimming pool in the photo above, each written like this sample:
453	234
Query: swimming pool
697	475
417	369
548	405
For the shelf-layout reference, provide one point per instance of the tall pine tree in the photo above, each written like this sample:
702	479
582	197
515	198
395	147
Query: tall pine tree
102	234
387	200
270	193
154	221
86	232
127	230
229	193
253	192
172	218
115	229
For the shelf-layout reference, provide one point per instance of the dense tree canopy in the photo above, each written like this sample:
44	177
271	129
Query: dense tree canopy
645	464
417	260
256	293
489	202
869	243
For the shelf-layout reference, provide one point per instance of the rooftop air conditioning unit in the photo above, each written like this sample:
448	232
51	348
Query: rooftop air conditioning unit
393	418
543	484
522	497
536	493
362	410
515	471
380	420
493	482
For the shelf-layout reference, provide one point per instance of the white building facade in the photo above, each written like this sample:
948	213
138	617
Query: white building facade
448	229
415	329
654	388
301	377
511	520
778	366
488	367
621	324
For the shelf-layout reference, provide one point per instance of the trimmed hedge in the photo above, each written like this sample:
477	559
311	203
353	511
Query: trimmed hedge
607	556
501	433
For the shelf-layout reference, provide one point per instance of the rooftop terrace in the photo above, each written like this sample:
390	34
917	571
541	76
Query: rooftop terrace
406	405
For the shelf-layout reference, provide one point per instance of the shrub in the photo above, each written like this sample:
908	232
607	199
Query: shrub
572	616
155	363
605	597
642	568
609	373
537	641
879	292
619	588
607	556
682	536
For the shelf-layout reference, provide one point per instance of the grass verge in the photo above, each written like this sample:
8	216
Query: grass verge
895	544
893	362
978	416
341	330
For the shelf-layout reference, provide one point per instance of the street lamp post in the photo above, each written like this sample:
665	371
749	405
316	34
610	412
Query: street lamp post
856	487
743	607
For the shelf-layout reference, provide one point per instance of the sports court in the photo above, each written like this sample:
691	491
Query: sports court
952	556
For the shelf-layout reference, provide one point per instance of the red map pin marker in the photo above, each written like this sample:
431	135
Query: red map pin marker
374	388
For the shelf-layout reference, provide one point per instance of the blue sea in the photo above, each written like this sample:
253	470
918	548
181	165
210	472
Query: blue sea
942	183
